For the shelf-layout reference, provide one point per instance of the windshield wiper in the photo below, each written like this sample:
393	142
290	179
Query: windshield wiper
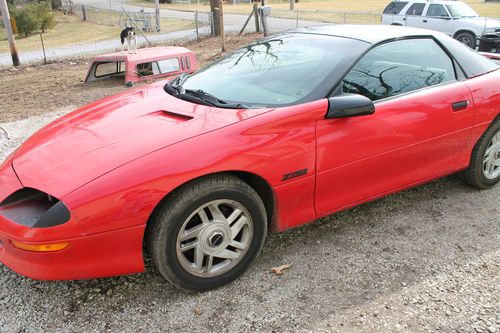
209	98
198	96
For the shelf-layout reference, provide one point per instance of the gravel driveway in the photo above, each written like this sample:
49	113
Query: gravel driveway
426	259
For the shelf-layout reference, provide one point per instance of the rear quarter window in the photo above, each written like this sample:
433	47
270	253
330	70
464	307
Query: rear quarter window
471	62
395	7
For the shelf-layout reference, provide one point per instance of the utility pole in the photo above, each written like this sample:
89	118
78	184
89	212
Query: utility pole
221	21
157	11
8	31
110	20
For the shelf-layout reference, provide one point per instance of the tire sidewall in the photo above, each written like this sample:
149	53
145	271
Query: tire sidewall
469	35
172	221
478	163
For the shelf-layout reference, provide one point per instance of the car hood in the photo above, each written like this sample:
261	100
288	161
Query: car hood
492	23
482	22
106	134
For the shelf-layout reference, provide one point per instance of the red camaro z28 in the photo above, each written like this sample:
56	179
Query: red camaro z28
277	134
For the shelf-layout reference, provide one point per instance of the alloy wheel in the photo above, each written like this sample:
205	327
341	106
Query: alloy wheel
214	238
491	160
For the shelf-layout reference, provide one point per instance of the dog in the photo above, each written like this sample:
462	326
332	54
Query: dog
128	34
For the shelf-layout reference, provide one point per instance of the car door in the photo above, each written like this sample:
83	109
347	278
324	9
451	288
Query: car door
422	120
413	16
437	18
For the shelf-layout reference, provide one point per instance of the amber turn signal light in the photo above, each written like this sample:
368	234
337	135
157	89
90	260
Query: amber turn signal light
40	247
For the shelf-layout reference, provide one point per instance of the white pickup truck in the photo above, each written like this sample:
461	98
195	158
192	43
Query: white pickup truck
454	18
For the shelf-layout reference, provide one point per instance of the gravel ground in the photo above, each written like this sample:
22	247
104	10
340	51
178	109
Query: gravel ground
427	259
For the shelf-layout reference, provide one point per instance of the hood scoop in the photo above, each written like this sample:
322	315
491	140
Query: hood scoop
171	116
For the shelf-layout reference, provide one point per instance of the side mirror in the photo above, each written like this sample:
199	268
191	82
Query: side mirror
349	105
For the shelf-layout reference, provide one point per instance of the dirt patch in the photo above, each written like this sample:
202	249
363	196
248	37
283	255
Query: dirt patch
36	90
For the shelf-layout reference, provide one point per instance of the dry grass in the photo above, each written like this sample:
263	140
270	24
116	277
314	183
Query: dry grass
374	6
72	30
69	30
35	90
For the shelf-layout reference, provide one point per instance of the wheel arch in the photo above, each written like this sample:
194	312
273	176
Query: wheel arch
464	30
259	184
263	189
492	123
476	141
471	175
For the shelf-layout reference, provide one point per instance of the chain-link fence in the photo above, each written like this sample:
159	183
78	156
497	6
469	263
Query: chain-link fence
310	17
83	30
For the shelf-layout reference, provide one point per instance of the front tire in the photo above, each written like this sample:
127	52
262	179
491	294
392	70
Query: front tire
467	38
484	169
208	233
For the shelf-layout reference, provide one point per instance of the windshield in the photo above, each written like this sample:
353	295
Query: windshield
282	70
460	9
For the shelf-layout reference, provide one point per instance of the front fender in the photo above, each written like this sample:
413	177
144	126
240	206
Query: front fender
278	143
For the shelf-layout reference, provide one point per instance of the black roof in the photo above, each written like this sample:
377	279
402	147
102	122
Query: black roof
368	33
470	61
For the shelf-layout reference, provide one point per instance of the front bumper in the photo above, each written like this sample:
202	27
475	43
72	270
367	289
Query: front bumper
489	43
93	256
103	254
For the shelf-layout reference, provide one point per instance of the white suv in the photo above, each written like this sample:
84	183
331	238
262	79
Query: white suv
454	18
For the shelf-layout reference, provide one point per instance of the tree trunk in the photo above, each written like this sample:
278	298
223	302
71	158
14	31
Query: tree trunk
214	8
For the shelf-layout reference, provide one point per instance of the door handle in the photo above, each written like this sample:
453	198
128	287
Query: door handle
425	21
458	106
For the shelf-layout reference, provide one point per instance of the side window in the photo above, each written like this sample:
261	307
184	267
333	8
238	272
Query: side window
148	68
436	11
399	67
395	7
109	68
158	67
416	9
168	65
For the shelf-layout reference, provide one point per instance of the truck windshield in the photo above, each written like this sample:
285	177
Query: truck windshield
460	9
285	69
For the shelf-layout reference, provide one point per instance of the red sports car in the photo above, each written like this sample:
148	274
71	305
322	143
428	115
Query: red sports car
284	131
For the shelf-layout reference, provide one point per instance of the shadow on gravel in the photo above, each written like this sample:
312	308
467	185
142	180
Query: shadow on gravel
338	263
